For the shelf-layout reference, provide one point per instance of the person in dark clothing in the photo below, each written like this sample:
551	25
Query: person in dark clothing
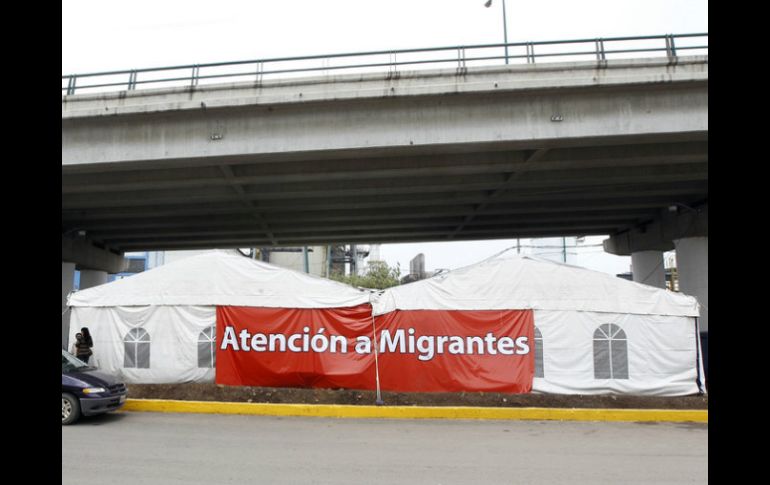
82	349
87	336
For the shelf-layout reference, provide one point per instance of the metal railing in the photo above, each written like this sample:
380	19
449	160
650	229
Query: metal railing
460	57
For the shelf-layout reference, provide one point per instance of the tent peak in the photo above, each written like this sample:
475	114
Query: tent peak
226	278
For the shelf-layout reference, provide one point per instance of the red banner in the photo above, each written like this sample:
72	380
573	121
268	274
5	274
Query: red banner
418	351
455	351
280	347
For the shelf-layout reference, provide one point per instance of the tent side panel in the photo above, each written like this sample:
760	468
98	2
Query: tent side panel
150	344
608	353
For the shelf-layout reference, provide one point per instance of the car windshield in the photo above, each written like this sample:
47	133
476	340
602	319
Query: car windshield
70	363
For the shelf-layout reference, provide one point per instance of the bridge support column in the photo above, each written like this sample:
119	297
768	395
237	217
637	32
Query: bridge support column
91	278
692	261
648	268
67	284
685	229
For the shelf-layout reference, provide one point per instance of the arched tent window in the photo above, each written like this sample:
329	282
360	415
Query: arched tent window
136	344
207	353
610	352
539	370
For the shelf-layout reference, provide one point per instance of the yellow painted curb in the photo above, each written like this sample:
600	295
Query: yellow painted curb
416	412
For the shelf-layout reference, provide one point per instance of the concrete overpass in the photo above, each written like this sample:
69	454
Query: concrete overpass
615	147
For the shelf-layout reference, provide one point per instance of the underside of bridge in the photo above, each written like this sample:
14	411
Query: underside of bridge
501	152
430	193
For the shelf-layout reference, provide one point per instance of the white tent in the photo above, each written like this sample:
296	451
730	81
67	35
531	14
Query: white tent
159	326
594	333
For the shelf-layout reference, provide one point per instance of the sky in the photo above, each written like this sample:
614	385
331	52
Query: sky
104	35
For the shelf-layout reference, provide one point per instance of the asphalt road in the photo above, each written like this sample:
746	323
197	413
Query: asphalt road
156	448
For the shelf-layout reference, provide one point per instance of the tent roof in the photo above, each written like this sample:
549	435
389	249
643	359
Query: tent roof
222	278
510	281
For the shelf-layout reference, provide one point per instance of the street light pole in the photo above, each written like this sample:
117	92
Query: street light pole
505	28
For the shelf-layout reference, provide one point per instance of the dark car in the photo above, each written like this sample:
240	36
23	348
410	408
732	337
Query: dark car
87	391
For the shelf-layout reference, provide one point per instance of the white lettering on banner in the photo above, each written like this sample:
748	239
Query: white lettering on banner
363	345
387	343
292	345
229	339
522	342
428	346
244	337
401	341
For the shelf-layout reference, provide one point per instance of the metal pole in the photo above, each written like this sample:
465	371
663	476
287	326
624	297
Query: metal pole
505	28
378	400
505	33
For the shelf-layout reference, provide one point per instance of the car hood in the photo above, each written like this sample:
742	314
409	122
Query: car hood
93	377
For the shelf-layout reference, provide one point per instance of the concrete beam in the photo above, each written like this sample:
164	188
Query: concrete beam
86	256
495	184
404	167
529	106
516	78
358	239
676	222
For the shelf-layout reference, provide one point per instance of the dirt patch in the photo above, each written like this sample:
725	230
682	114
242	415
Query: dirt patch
213	392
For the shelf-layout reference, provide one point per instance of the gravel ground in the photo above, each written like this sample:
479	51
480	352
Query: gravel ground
213	392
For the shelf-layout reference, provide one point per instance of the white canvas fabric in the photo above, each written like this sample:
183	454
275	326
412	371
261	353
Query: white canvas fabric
510	281
171	306
221	278
657	354
168	351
